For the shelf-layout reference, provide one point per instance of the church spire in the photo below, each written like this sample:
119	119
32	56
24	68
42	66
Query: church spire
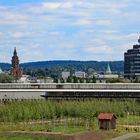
108	71
15	52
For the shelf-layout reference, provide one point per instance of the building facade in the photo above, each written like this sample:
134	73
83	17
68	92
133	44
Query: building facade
132	62
80	74
103	77
65	74
16	71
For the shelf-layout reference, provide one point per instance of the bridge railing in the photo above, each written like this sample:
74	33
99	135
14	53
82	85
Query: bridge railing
131	86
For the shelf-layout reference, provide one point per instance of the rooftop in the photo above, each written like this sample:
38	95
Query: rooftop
106	116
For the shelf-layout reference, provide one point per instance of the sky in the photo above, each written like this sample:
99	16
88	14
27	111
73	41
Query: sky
43	30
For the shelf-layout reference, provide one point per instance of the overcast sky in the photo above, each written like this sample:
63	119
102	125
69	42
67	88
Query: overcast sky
68	29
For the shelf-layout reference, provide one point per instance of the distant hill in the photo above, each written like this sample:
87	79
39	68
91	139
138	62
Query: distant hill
76	65
70	64
5	66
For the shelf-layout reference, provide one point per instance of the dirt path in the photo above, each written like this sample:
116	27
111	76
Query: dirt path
126	136
92	136
80	136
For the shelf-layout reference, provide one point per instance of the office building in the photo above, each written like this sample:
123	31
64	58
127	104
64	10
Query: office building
132	62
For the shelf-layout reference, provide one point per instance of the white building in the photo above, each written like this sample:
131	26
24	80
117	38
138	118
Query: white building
45	80
101	78
24	79
107	76
65	74
80	74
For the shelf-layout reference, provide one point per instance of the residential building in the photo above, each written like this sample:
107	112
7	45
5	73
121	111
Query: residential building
45	80
65	74
80	74
24	79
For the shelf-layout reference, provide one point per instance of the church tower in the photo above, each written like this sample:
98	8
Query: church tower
16	71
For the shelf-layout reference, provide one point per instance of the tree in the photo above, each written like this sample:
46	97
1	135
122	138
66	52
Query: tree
75	79
56	80
69	79
5	78
62	80
81	80
113	80
87	80
93	79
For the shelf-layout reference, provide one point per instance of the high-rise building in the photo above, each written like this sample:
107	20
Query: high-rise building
132	62
16	71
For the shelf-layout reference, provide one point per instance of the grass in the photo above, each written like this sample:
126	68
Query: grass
19	111
16	138
25	138
66	129
129	120
70	125
77	116
69	129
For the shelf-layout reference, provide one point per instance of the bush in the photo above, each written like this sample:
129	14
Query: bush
5	78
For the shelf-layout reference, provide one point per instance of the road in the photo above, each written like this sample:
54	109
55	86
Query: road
126	136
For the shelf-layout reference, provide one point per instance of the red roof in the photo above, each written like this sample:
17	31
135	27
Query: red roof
106	116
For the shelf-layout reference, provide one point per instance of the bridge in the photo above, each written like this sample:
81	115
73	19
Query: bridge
68	90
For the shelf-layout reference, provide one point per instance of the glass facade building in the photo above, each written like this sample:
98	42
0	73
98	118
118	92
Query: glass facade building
132	62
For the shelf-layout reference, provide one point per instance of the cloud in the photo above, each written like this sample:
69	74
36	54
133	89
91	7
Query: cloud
51	5
71	4
12	17
1	33
99	50
81	22
104	22
108	31
89	29
61	5
20	34
121	37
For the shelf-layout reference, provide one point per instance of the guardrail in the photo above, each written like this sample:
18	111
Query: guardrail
117	86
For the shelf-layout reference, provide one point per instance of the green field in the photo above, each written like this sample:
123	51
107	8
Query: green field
66	116
21	138
26	138
19	111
